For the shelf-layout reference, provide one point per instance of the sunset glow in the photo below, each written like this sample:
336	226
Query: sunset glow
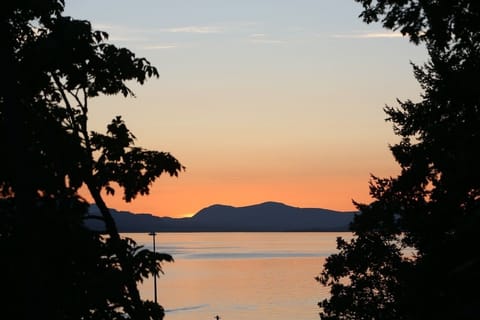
261	101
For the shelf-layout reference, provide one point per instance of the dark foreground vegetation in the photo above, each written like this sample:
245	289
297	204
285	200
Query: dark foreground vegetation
432	208
52	267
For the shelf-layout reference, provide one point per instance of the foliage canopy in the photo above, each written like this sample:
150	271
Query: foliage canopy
414	253
53	267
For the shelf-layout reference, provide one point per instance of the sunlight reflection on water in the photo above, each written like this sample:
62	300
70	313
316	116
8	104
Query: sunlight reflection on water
240	275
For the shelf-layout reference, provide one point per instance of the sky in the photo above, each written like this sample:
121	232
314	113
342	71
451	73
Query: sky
260	100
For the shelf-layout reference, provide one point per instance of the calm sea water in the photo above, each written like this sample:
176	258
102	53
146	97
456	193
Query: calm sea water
240	276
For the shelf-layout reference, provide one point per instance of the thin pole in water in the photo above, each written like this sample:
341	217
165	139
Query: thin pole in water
153	234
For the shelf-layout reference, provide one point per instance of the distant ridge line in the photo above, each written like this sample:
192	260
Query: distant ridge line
264	217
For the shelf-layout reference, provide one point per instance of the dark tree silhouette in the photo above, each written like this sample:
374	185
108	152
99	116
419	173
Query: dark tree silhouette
415	253
52	266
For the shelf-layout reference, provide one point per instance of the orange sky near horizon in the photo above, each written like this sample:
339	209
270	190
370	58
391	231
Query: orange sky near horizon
185	195
184	199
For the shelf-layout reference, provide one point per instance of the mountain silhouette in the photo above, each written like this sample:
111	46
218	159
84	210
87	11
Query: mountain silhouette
266	217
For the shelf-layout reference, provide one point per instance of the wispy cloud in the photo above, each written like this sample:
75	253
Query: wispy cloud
369	35
103	26
123	29
123	33
268	41
257	35
263	38
140	38
160	47
125	38
195	29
